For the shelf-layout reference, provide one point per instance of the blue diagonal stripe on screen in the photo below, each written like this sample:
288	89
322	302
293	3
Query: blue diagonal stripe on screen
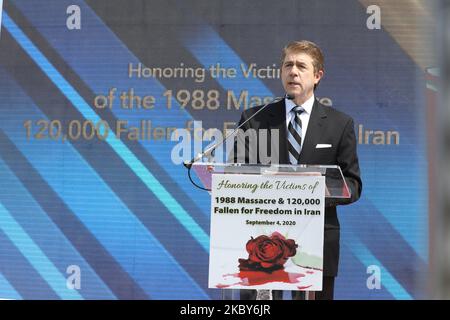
16	268
109	167
88	193
46	234
367	258
7	291
114	75
352	280
407	192
377	234
209	48
128	157
35	256
151	264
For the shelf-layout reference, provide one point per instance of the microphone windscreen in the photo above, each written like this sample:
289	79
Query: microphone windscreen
290	96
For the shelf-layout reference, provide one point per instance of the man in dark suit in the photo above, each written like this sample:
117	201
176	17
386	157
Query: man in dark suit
309	133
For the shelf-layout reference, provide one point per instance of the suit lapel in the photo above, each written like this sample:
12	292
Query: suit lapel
313	132
277	120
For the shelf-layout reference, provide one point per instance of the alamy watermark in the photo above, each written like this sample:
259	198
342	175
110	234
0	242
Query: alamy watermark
251	146
73	281
374	280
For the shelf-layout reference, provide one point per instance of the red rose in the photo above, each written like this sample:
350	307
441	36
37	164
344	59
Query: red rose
268	253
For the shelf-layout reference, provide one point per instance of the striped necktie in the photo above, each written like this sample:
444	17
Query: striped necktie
295	135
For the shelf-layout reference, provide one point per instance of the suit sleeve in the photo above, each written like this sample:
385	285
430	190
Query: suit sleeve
347	159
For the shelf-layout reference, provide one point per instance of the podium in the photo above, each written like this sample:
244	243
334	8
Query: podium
267	225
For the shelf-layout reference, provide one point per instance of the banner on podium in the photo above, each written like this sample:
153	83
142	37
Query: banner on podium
267	232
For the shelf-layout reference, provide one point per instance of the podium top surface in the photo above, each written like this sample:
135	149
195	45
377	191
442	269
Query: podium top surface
336	186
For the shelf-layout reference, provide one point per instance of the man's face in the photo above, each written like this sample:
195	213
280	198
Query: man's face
298	77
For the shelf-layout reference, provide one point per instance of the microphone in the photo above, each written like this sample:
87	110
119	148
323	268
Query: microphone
209	150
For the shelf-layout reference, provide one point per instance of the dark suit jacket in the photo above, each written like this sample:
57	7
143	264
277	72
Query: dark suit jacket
326	126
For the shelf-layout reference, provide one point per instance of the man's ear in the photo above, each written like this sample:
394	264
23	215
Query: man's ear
318	76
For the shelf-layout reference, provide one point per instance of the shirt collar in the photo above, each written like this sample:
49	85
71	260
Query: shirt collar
308	105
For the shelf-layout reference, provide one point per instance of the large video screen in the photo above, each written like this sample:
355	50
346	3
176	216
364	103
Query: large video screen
93	202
